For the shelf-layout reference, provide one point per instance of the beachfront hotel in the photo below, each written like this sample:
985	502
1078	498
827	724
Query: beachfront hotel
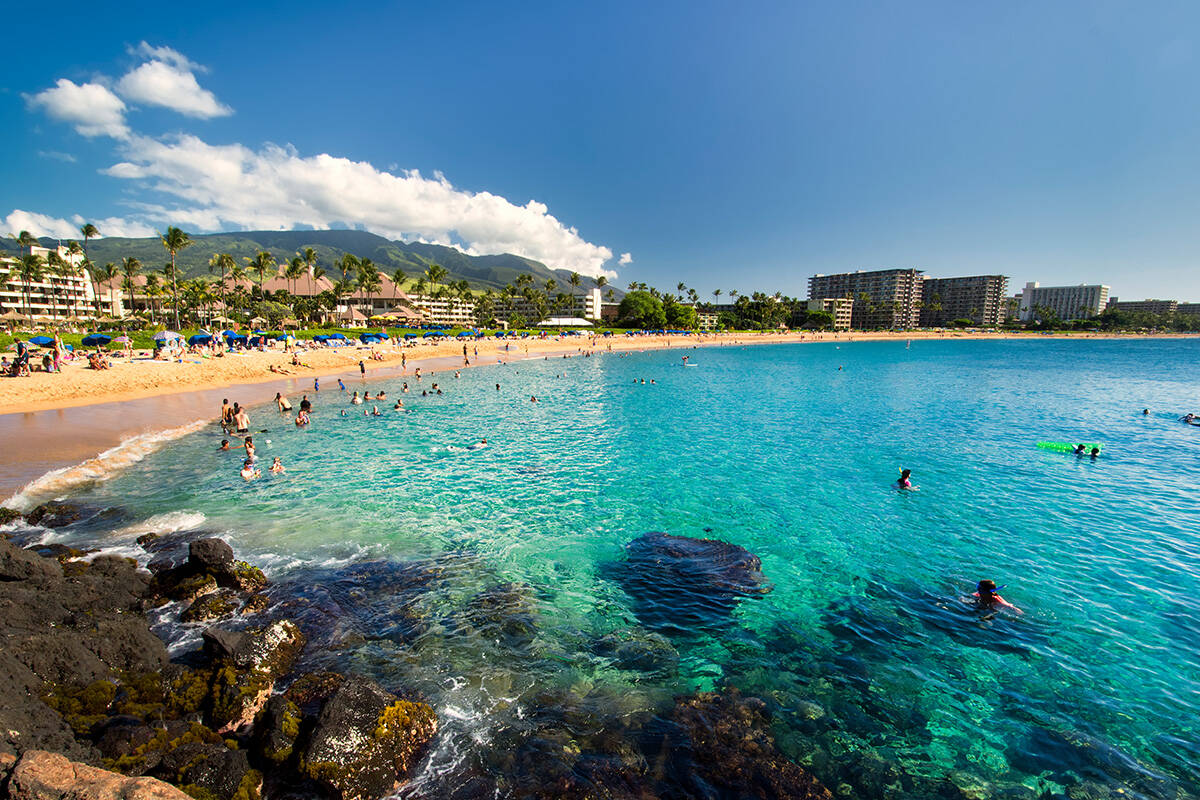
885	298
979	298
1144	306
842	309
1066	302
63	293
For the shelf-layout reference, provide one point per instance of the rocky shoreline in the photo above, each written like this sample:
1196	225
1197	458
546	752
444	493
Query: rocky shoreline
98	709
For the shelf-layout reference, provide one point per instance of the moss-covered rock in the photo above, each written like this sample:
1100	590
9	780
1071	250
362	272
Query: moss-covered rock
256	604
247	665
366	740
82	707
243	577
310	691
8	515
278	730
211	606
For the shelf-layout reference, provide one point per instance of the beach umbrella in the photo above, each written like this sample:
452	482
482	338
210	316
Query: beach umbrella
410	336
337	336
163	336
42	340
200	338
96	339
229	333
430	335
369	338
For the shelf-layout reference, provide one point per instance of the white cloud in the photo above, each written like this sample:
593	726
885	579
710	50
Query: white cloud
57	156
232	186
92	108
159	83
172	57
625	258
58	228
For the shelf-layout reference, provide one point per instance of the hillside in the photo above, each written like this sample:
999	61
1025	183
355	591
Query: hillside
482	272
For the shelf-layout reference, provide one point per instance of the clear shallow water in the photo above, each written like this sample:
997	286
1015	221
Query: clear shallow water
861	645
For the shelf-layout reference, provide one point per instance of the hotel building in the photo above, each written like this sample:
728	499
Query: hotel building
979	298
886	298
1067	302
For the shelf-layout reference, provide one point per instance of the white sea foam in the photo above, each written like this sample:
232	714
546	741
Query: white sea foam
57	482
164	523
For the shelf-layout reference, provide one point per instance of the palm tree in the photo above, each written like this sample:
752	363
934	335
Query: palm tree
224	262
25	239
716	297
293	271
435	273
260	264
29	269
175	240
88	231
681	287
153	292
130	267
368	282
107	273
54	264
71	268
398	280
574	280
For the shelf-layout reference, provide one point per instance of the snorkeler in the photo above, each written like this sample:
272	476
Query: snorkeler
987	599
905	480
277	466
248	470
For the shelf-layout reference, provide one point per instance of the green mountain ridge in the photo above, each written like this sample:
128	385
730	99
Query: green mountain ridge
482	272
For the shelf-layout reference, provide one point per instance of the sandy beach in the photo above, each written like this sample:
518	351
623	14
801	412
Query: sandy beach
53	421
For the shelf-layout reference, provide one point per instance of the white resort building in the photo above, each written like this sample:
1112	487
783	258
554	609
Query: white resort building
60	293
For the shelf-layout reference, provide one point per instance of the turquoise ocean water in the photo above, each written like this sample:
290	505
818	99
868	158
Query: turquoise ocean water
861	646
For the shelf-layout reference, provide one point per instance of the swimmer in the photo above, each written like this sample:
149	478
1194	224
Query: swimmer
497	387
367	396
905	480
277	466
1080	449
343	412
398	406
987	599
302	419
356	400
282	402
532	399
381	396
404	388
375	412
1145	412
341	385
248	471
1095	452
482	443
224	444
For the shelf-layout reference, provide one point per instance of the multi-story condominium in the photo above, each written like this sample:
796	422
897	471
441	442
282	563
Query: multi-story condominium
586	305
1066	302
886	298
1191	309
1145	306
842	309
445	310
59	293
979	298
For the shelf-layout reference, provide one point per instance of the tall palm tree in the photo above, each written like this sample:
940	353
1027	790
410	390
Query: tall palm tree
435	273
29	269
310	258
72	270
295	269
25	239
88	231
601	282
398	280
175	240
681	287
224	262
716	297
130	267
108	273
574	280
260	264
153	292
56	268
368	282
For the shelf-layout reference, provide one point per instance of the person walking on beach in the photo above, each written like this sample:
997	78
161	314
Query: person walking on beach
316	385
362	368
466	363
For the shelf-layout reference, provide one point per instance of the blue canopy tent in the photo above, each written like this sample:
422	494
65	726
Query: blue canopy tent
41	341
410	336
235	338
96	339
200	338
369	338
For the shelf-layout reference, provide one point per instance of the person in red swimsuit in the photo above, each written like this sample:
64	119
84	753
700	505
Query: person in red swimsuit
987	598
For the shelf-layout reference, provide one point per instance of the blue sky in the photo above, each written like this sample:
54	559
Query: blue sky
734	146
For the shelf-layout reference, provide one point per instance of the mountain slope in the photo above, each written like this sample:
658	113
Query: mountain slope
482	272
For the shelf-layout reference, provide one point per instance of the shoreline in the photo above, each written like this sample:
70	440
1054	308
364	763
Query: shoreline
59	433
